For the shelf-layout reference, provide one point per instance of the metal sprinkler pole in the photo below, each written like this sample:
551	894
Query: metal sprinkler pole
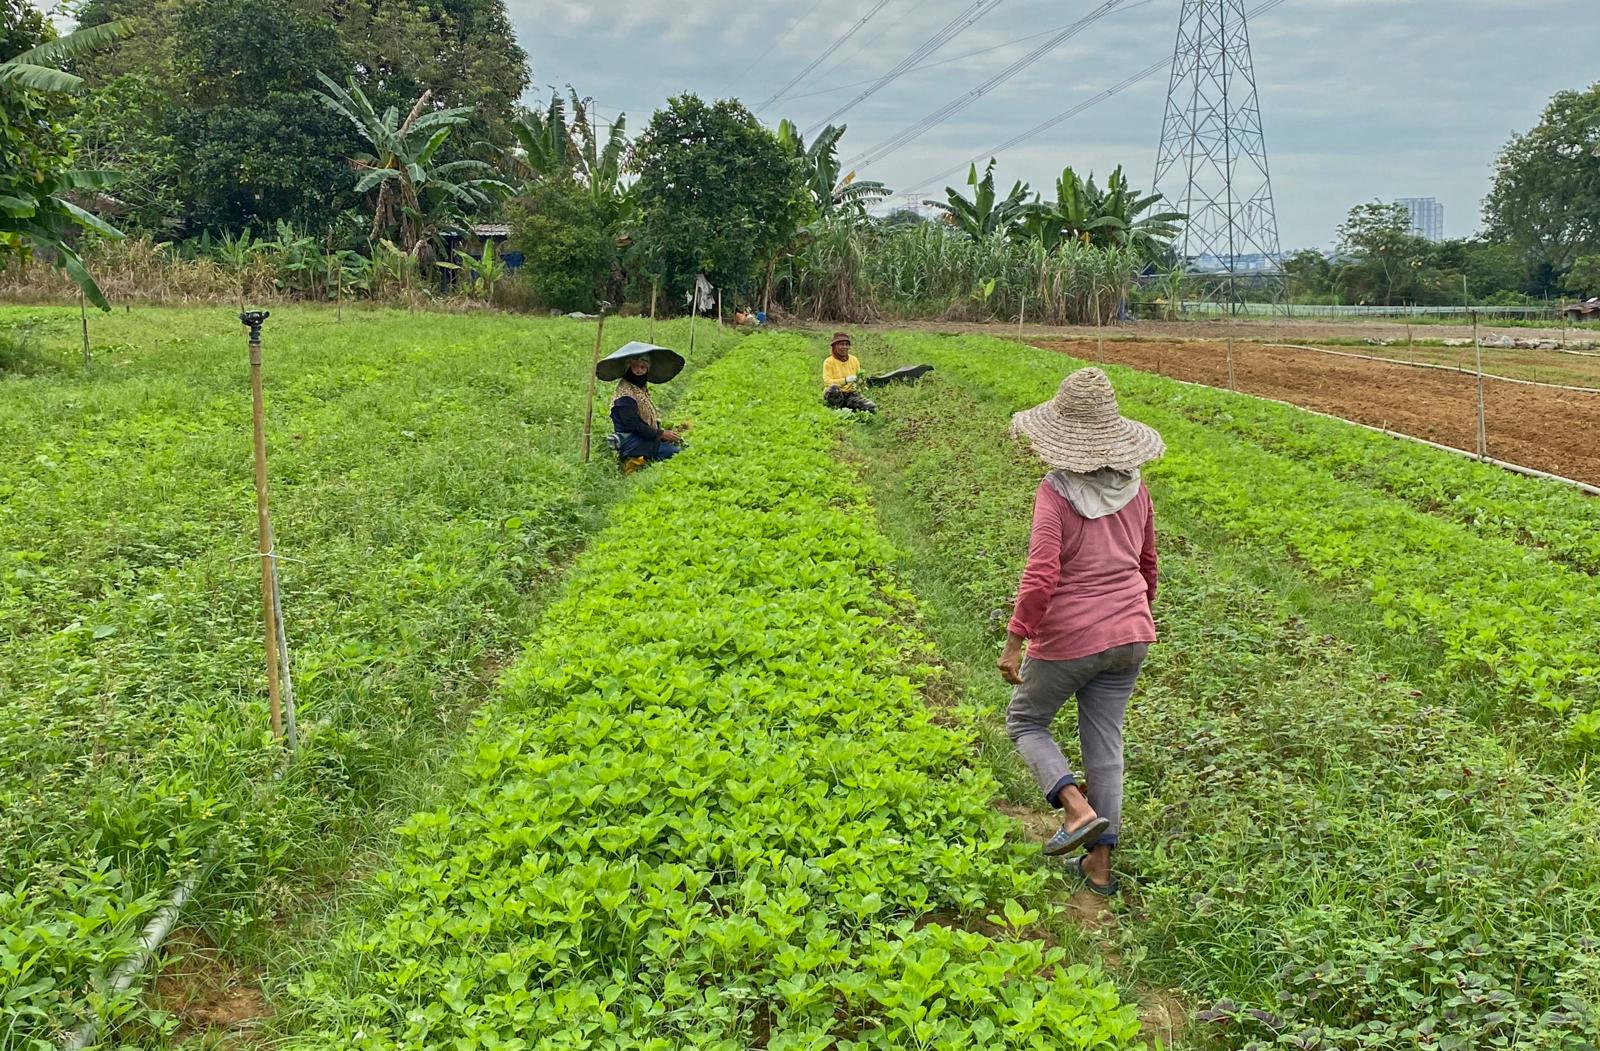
588	415
253	320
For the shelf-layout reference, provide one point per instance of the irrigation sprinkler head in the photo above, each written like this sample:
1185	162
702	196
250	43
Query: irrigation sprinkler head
254	319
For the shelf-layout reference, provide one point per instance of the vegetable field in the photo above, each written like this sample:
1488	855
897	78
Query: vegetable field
425	489
714	757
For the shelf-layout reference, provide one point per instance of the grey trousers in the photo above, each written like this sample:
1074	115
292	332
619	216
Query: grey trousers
1102	684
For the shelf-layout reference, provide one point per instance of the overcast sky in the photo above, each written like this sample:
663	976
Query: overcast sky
1360	99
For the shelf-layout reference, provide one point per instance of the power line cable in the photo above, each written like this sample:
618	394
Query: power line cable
951	29
780	38
951	108
956	58
864	46
829	50
1068	114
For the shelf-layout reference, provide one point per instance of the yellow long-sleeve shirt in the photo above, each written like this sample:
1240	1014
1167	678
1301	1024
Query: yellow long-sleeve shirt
836	373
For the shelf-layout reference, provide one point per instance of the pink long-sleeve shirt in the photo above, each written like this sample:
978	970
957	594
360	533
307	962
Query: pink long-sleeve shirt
1089	582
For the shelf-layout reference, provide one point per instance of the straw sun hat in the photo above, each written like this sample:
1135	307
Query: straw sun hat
1080	429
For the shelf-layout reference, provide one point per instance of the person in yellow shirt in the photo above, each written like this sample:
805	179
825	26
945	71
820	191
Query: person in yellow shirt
841	373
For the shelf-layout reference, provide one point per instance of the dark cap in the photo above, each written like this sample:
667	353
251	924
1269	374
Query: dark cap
841	337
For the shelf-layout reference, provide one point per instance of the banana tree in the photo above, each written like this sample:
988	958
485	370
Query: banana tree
37	186
987	212
417	192
1113	217
832	189
544	147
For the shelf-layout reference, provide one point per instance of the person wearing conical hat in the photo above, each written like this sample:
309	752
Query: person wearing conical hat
841	374
1083	608
641	434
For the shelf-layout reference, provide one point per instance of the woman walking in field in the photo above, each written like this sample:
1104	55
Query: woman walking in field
1083	608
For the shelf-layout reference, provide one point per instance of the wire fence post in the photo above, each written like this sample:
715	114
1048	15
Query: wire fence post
83	316
1099	335
254	320
588	415
1483	429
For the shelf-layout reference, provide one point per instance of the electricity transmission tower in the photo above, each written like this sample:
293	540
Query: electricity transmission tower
1213	158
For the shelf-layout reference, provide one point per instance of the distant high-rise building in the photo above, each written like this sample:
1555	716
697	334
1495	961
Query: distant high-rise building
1427	216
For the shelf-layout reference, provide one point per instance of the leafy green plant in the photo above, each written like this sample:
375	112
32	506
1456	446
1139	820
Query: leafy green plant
427	493
1323	846
710	807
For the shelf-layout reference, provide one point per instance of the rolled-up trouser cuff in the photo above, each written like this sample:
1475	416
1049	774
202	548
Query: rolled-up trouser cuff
1107	840
1053	797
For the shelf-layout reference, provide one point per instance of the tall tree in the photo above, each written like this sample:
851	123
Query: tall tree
228	123
257	145
1385	258
1546	195
717	194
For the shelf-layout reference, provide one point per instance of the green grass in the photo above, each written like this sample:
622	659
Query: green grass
1321	849
426	492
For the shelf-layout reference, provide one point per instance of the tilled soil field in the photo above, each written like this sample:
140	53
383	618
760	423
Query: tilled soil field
1551	430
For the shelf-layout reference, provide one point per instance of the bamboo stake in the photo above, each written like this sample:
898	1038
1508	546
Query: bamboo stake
1483	430
83	316
588	415
655	286
1230	362
719	308
1411	348
1100	339
1022	312
254	320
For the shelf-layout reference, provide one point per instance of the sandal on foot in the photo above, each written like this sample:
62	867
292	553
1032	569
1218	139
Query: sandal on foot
1105	890
1070	839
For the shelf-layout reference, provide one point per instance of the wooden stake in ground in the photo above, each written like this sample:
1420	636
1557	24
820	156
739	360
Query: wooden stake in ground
588	414
1230	361
1100	339
254	319
1411	349
83	316
1022	312
719	308
655	286
1483	430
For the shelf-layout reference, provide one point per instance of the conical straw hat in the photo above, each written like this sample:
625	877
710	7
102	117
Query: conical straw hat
1080	429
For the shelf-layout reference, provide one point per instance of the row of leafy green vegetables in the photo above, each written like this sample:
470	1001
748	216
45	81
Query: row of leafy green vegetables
1496	609
1559	519
710	808
425	486
1317	845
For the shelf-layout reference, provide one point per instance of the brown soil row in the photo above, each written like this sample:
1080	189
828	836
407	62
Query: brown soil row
1550	430
1261	330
